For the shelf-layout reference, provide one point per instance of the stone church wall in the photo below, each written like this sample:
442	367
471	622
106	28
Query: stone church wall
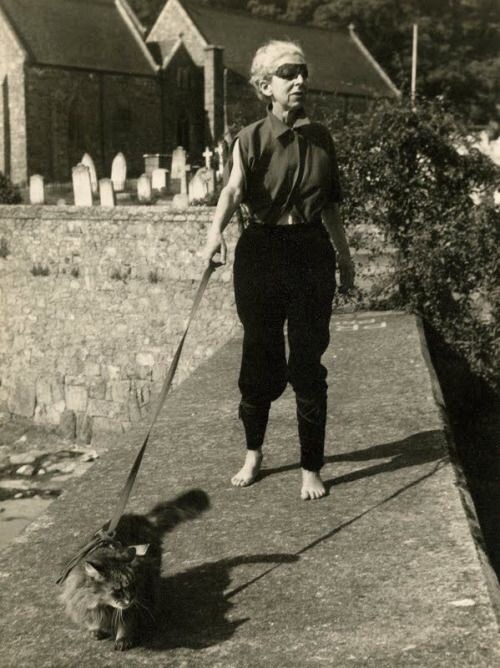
70	112
13	153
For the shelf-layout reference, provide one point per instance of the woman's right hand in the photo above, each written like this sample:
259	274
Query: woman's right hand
215	242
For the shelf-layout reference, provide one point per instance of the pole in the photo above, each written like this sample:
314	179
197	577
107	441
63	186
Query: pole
414	64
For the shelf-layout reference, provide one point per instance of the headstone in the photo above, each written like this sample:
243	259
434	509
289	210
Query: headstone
159	178
220	160
106	192
119	172
37	190
154	160
88	162
82	189
202	184
144	192
179	160
181	200
207	154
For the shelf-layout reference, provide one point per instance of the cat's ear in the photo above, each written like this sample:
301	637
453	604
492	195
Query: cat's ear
140	550
93	570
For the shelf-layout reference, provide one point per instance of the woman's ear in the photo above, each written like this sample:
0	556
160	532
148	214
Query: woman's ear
265	87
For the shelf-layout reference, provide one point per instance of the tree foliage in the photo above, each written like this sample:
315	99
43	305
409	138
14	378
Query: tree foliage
459	41
402	172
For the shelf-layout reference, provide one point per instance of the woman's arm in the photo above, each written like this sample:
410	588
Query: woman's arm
230	197
333	223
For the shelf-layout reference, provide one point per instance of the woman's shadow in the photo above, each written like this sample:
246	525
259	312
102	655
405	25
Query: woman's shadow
193	604
415	450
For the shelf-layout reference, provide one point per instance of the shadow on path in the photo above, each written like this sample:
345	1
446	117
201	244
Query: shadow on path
417	449
193	605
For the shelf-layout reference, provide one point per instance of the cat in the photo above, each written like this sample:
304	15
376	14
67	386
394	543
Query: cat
113	591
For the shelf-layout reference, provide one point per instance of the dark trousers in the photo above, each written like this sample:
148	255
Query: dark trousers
285	274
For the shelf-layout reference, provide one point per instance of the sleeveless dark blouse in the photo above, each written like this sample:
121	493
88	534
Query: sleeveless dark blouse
287	169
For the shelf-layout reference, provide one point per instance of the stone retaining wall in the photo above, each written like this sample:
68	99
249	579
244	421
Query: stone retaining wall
93	302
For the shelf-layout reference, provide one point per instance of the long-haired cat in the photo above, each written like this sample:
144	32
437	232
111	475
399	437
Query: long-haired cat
113	591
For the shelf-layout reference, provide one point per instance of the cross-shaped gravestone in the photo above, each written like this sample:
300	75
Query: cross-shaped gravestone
207	154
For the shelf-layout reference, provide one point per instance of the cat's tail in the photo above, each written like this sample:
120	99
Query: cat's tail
166	515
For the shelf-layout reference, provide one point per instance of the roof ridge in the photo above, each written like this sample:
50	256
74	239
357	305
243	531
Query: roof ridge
241	12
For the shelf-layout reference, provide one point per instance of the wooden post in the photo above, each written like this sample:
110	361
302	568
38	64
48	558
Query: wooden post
414	65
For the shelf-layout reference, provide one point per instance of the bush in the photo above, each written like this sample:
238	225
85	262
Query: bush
403	172
9	193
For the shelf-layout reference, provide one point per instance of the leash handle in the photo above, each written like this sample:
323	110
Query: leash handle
106	535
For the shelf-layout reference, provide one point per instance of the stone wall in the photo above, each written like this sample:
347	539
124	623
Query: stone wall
92	305
93	302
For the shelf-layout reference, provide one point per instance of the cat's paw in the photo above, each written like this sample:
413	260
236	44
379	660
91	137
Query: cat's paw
100	634
122	644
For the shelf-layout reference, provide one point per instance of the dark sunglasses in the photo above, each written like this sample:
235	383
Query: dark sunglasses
291	71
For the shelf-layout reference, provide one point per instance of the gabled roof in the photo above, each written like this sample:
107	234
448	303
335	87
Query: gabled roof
86	34
338	63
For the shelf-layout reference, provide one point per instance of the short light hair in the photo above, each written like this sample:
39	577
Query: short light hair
262	66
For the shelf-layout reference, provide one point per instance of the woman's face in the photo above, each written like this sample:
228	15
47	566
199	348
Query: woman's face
288	93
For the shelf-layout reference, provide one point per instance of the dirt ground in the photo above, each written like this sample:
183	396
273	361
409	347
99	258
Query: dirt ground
35	464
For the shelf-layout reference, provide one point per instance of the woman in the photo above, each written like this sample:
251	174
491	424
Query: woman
283	168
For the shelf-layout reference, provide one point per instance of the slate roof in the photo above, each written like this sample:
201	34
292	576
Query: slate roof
89	34
337	64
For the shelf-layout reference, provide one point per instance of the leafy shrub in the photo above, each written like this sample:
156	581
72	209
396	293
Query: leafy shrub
403	172
9	193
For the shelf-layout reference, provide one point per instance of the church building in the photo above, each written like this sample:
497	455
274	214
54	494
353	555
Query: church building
81	76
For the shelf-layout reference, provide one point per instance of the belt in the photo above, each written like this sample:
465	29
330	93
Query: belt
290	218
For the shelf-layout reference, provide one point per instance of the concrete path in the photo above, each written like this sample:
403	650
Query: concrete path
383	572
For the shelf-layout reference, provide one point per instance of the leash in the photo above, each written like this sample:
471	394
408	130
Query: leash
106	535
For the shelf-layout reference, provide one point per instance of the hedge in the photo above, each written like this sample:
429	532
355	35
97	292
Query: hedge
412	172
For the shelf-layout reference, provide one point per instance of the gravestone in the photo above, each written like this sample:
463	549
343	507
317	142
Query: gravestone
82	188
119	172
220	151
88	162
202	184
159	178
106	192
181	200
37	190
144	192
179	160
153	161
207	154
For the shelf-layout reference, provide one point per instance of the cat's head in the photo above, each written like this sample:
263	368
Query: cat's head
111	576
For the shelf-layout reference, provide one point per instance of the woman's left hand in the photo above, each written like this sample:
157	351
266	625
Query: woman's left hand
347	273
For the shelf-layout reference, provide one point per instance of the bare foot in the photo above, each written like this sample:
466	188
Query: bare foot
312	485
250	469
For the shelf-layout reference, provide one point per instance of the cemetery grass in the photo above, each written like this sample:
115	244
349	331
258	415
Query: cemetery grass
473	410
